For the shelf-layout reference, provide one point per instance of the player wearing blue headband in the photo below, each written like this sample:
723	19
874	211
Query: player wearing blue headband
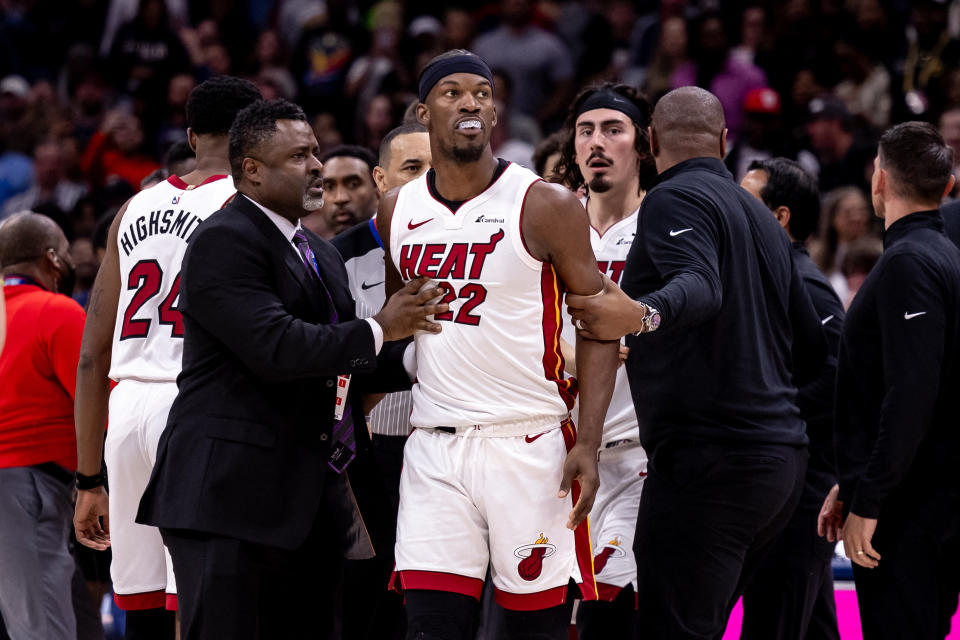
492	441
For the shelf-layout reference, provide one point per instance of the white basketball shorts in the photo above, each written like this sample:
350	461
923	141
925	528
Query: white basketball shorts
488	496
613	519
141	569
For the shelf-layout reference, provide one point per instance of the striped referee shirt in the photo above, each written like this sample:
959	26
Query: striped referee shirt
363	254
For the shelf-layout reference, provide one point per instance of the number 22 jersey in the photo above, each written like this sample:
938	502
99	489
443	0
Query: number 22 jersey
152	238
497	358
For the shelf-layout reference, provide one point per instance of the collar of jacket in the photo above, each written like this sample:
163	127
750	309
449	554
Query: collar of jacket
930	219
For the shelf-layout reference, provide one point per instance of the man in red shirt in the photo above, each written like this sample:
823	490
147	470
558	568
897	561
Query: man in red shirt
38	449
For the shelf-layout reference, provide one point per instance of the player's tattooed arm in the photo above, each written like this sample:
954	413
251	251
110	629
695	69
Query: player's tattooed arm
93	392
556	230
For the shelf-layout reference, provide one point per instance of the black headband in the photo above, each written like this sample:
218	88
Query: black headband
610	99
466	63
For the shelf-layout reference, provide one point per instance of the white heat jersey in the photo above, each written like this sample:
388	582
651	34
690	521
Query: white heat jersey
498	357
148	333
611	250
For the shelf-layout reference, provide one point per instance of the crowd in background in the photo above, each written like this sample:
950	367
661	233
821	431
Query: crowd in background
92	92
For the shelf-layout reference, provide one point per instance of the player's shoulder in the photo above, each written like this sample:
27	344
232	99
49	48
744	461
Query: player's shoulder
58	308
546	197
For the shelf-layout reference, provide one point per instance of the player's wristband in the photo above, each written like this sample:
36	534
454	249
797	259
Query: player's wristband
85	483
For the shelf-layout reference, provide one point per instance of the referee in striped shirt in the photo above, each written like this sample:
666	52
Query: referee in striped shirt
404	156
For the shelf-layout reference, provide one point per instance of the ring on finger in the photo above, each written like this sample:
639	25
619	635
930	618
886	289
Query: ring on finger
578	324
860	553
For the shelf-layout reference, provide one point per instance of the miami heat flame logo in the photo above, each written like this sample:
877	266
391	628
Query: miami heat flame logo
531	557
610	550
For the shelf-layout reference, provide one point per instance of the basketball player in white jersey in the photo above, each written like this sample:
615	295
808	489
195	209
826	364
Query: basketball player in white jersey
134	335
492	441
606	150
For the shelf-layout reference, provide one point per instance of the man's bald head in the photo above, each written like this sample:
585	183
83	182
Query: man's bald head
688	123
25	237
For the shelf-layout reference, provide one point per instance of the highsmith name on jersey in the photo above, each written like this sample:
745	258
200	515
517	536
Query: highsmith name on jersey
152	238
498	357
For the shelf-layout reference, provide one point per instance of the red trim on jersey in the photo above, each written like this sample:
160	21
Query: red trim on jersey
485	189
170	602
523	205
178	182
531	601
436	581
552	291
581	535
140	601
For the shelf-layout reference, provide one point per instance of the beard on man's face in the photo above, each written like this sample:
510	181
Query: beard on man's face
600	184
469	153
312	203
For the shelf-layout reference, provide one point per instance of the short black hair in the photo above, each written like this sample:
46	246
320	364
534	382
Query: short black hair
402	130
254	125
918	160
215	103
548	146
789	185
568	169
352	151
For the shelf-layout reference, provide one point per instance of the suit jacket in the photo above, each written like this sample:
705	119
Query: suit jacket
246	446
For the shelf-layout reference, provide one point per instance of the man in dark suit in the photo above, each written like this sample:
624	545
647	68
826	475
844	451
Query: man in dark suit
247	487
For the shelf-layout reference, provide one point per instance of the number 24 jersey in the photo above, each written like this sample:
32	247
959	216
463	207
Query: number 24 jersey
152	238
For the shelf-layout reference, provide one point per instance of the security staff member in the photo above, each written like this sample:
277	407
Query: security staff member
711	279
791	596
898	445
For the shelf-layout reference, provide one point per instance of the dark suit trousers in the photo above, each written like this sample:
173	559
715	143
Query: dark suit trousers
791	595
229	588
913	592
708	515
370	611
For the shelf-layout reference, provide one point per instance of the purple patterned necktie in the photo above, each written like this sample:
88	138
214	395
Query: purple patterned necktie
344	448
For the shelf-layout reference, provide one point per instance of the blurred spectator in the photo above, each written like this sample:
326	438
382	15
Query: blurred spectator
539	65
845	157
115	151
180	159
326	128
146	54
458	29
49	184
950	130
857	264
753	25
715	69
845	219
647	31
84	216
88	102
378	119
671	52
865	87
369	74
38	448
521	126
121	12
173	128
322	57
930	52
764	137
546	156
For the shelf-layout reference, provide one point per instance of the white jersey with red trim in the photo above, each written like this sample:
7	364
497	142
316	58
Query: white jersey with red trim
152	238
498	358
611	250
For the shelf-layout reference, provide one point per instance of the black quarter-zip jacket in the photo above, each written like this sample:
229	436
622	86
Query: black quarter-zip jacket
738	328
898	379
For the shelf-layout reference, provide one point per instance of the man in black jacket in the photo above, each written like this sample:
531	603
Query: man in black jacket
898	446
247	487
791	596
725	328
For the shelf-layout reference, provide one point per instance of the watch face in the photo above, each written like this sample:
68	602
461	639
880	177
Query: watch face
654	321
